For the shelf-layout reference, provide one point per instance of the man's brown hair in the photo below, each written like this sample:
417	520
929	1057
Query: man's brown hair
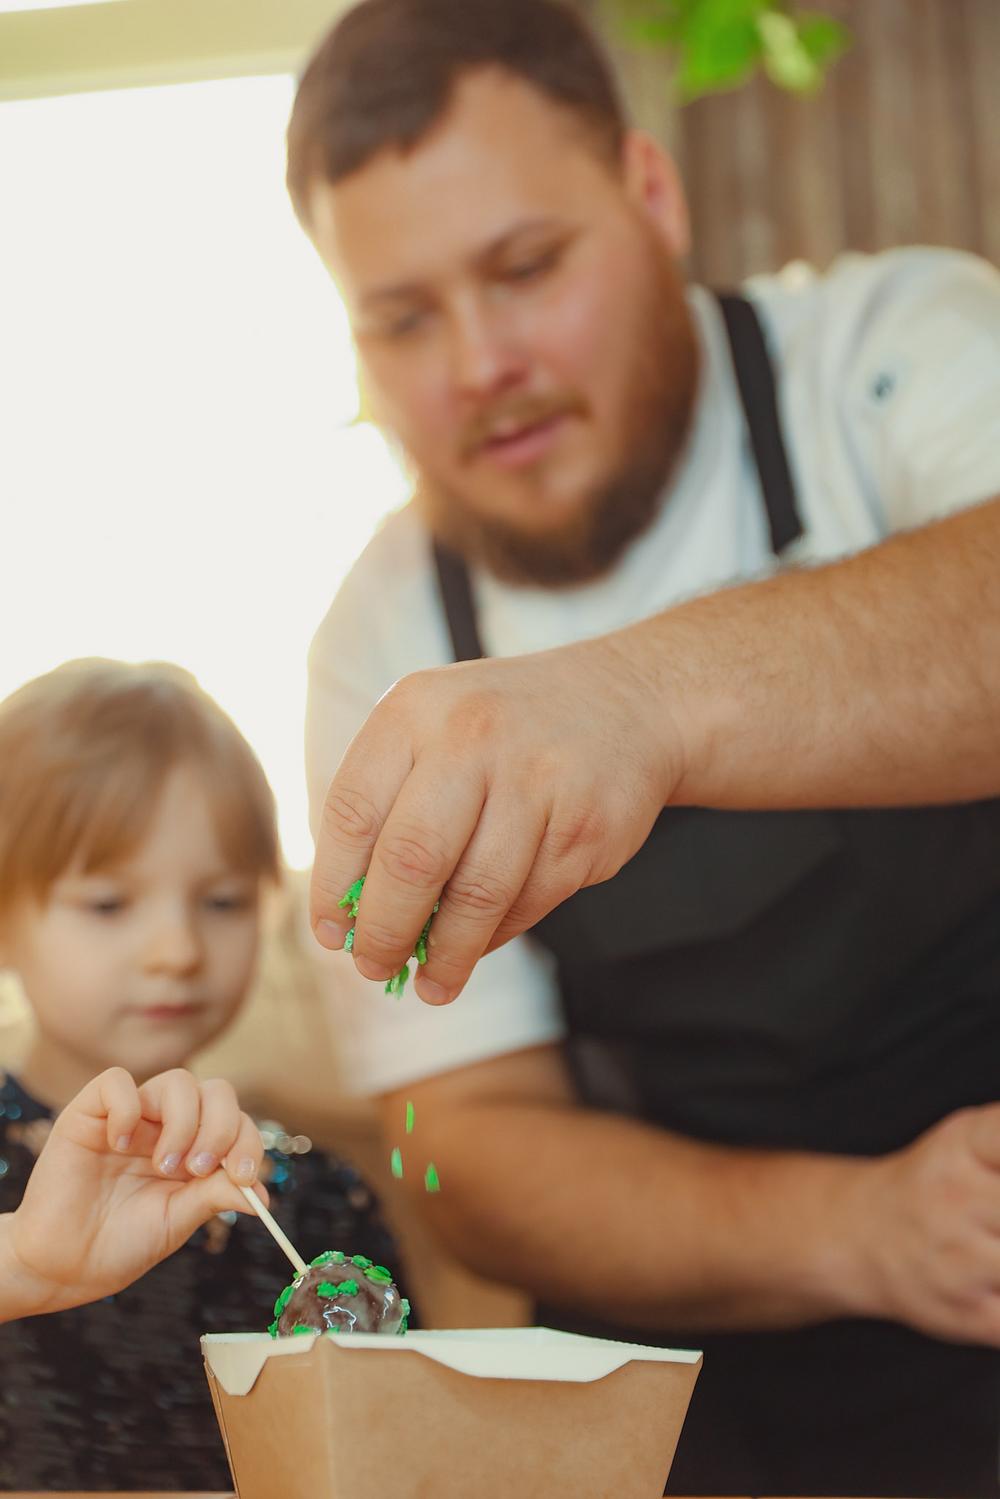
385	74
85	751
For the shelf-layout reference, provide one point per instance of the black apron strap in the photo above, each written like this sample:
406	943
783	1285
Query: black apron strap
455	588
755	378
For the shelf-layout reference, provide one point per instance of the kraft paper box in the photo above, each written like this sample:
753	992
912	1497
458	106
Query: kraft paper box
506	1413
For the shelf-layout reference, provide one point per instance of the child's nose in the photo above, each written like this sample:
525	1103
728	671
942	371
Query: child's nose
174	945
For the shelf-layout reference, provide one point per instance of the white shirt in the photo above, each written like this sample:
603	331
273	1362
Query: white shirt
888	373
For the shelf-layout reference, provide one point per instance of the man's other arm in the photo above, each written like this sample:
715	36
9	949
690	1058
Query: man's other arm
621	1220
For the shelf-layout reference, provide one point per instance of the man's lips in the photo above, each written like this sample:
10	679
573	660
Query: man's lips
520	445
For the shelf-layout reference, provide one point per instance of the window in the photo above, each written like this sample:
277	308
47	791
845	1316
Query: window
182	470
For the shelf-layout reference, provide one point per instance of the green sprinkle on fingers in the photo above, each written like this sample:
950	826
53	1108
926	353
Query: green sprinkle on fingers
350	901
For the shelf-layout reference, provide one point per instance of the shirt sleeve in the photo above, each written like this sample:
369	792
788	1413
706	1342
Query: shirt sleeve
511	1000
926	384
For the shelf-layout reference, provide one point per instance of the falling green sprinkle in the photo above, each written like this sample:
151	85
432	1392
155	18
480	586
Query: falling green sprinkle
409	1116
431	1179
380	1275
361	1262
300	1329
396	1163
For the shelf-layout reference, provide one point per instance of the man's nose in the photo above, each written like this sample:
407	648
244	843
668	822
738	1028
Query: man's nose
484	357
174	944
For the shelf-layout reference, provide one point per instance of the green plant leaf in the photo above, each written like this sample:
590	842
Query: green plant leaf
720	43
824	38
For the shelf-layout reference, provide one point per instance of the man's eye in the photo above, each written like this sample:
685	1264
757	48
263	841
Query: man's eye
532	266
408	323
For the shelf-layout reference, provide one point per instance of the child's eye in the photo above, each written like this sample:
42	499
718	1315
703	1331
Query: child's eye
106	905
227	902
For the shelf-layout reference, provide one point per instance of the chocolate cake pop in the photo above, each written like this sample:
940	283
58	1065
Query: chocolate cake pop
341	1293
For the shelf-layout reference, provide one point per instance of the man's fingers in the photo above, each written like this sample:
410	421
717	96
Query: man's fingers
424	837
367	783
480	891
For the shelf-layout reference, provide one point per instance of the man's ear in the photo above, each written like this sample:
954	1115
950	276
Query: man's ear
654	186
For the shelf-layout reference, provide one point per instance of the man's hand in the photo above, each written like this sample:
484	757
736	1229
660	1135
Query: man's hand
501	787
124	1179
930	1218
510	784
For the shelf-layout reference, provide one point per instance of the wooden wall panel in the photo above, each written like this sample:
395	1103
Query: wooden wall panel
901	147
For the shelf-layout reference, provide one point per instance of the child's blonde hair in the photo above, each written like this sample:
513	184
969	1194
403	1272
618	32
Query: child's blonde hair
84	753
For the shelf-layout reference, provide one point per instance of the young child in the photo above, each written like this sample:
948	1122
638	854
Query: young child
137	833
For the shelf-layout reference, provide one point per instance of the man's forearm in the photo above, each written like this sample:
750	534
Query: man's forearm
623	1221
870	681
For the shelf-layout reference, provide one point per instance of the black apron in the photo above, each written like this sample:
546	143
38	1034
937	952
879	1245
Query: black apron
819	981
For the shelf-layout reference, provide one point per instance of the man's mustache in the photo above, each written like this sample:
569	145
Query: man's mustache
511	415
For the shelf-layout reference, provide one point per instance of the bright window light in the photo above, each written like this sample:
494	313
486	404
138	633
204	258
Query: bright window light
6	6
182	472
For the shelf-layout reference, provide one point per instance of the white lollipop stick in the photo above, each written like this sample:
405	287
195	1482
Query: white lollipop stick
277	1233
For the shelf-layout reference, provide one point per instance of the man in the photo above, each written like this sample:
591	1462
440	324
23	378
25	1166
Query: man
742	1095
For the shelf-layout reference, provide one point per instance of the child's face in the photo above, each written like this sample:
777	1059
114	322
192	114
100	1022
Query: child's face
141	965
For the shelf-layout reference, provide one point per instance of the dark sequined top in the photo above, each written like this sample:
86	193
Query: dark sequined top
113	1395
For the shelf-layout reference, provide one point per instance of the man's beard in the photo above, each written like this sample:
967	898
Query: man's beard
658	407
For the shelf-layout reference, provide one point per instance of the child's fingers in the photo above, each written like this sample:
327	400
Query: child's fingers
200	1199
120	1097
110	1106
220	1127
242	1161
173	1100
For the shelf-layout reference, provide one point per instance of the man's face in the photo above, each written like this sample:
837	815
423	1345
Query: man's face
522	330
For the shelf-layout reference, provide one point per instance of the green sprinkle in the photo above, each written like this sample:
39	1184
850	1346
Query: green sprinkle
396	1163
406	1316
431	1179
351	901
361	1262
397	983
300	1328
328	1257
273	1329
283	1300
352	896
409	1116
328	1289
380	1275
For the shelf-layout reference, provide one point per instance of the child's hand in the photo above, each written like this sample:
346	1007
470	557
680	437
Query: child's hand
125	1178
